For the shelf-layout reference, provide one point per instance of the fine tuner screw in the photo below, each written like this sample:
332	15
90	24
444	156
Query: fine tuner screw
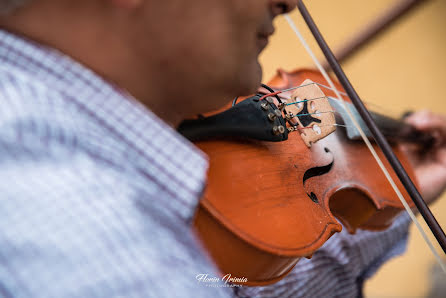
289	116
272	116
277	130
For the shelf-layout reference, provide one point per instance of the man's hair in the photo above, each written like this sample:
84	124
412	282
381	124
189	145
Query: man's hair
7	6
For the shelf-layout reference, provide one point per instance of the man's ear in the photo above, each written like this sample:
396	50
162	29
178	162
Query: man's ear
127	4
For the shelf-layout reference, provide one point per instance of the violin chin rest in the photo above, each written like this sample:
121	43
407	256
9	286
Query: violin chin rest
251	119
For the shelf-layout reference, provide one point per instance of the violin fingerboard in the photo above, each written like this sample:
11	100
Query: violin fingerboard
313	112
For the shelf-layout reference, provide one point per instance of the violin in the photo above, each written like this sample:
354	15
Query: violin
268	204
283	176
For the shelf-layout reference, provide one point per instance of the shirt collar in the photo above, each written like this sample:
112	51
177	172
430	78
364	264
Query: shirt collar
170	160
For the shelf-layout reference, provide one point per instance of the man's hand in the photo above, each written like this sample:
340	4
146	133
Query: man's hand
430	165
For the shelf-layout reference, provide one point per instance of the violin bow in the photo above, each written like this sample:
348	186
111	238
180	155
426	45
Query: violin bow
420	204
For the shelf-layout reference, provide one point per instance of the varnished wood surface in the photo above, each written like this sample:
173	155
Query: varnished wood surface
256	192
405	69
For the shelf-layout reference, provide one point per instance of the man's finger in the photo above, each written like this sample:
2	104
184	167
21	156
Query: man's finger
426	120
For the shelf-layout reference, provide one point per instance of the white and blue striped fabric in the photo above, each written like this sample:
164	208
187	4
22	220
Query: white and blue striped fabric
97	196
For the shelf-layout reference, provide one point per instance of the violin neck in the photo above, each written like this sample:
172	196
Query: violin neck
399	131
394	130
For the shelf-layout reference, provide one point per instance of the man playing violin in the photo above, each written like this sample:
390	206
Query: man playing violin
98	189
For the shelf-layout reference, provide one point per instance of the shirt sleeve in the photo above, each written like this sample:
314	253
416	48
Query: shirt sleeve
76	226
341	266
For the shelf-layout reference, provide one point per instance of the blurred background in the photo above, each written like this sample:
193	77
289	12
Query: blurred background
404	69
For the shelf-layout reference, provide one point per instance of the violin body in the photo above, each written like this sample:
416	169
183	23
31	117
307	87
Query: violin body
268	204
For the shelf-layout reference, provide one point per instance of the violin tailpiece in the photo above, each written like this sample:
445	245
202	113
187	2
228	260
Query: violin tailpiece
313	113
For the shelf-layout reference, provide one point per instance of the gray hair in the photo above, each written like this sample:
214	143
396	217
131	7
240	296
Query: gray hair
7	6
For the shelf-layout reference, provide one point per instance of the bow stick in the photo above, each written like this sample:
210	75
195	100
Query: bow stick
379	138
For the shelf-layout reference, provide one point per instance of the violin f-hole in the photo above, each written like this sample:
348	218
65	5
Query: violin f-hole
317	171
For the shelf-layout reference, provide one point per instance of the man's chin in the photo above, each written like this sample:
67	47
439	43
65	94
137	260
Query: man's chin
250	82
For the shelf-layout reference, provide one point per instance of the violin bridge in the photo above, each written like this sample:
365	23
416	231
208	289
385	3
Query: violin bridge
311	113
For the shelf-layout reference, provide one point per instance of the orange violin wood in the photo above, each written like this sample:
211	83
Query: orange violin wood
257	217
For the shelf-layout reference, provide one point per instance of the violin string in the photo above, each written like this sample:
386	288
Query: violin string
291	89
313	83
327	125
305	100
388	133
315	113
378	107
369	103
367	142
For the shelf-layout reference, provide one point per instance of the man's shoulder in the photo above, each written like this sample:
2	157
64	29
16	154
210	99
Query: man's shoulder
23	95
45	135
36	115
49	148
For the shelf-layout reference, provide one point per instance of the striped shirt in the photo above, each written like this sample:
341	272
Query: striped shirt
97	196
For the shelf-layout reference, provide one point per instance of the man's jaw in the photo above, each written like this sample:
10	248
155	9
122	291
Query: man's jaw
263	34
